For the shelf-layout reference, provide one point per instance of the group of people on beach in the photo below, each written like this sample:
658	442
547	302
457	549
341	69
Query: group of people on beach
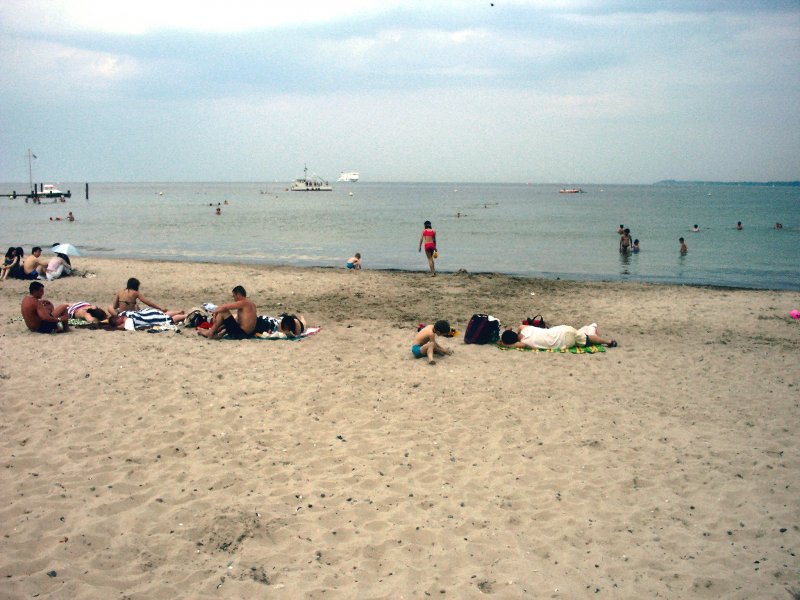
18	266
236	320
529	334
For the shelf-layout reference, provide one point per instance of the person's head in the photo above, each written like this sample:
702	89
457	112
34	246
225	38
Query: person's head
289	325
63	257
115	321
627	231
441	327
509	337
36	251
358	255
133	284
97	313
739	223
427	224
36	289
18	251
10	252
695	226
680	240
636	242
239	291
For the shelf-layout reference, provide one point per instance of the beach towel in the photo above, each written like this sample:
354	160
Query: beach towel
282	336
590	349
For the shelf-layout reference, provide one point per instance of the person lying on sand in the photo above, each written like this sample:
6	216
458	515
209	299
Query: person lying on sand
555	338
223	323
146	318
40	315
425	343
91	313
292	325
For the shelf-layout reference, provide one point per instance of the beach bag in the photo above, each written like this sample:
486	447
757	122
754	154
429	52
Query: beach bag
537	321
482	329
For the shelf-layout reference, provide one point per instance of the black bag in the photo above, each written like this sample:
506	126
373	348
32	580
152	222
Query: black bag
537	321
482	329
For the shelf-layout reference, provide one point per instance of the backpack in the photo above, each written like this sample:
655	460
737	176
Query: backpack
482	329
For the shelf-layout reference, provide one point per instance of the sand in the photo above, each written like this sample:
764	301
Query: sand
140	465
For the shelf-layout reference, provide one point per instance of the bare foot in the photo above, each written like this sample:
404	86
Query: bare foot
431	362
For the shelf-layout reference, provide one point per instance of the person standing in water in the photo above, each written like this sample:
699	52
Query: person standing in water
428	238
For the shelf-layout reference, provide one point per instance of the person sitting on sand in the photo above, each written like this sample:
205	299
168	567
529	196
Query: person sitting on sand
425	343
58	266
240	327
40	315
147	318
91	313
33	266
553	338
127	299
11	259
354	262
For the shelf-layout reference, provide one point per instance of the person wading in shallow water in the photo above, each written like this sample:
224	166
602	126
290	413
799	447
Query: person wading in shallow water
428	238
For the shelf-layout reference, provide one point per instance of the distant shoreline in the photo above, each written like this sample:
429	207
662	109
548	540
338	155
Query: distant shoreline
744	183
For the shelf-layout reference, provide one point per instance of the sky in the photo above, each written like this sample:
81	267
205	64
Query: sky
550	91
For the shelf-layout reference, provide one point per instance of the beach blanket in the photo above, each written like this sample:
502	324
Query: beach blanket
591	349
282	336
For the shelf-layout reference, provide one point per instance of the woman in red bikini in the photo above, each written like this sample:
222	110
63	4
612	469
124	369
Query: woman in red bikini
428	238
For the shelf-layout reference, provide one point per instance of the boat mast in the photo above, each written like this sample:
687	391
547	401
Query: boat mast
30	168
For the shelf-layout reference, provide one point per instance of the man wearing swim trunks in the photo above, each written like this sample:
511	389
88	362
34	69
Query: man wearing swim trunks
240	327
39	314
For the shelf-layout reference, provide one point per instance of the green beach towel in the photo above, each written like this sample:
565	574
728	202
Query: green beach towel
591	349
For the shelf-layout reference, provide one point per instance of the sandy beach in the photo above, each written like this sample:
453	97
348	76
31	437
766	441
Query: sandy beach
139	465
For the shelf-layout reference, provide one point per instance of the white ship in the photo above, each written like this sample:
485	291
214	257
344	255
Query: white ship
351	176
310	184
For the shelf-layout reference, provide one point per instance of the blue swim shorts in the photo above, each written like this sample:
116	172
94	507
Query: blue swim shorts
416	350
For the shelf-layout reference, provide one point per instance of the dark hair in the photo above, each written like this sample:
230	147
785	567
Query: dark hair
509	338
35	248
441	326
115	320
19	251
680	239
427	224
64	257
97	313
133	284
358	254
10	253
35	286
239	290
636	241
287	322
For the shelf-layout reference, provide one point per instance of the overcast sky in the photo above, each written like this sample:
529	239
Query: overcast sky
511	91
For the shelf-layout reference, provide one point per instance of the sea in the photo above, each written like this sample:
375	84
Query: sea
514	228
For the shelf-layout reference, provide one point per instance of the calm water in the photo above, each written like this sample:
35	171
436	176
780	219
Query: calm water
514	228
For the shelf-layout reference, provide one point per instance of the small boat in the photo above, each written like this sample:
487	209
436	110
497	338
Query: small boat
51	191
571	191
350	176
312	184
